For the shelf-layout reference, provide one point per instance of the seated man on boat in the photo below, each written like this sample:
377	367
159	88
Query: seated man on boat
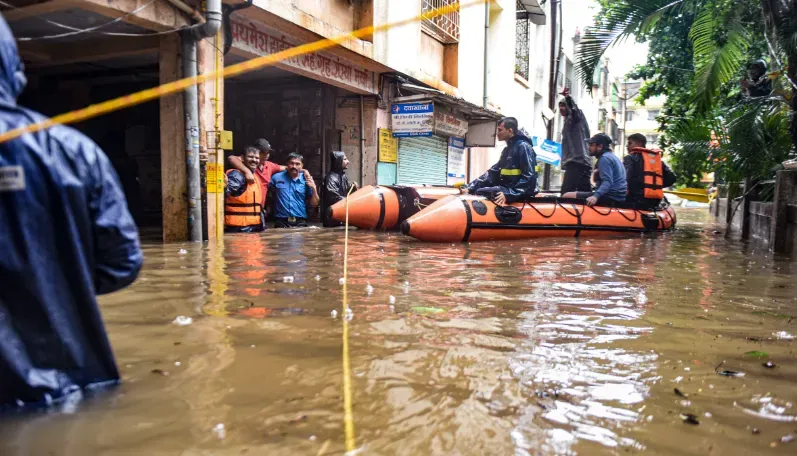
514	177
647	175
243	207
609	178
289	192
336	186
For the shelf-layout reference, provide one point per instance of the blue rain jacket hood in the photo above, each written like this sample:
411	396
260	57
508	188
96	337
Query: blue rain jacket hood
65	236
520	183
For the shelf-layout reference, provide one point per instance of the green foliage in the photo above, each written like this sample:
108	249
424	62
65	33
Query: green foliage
698	51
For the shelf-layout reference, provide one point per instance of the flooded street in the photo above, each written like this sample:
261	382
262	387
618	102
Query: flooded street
551	346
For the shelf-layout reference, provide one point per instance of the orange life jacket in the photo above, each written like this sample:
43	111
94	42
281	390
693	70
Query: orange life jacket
244	209
653	172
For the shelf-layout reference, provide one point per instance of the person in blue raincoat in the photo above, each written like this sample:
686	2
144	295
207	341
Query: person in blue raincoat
514	177
66	235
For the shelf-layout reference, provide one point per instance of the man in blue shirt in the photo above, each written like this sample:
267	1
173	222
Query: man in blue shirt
610	176
289	192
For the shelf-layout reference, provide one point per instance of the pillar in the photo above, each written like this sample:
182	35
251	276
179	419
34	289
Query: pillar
172	142
785	194
206	62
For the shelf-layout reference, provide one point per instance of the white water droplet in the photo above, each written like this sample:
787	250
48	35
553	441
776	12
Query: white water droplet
369	289
317	278
177	363
341	281
183	251
219	430
391	299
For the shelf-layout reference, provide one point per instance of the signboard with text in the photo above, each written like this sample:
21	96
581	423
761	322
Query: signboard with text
449	125
412	119
388	146
259	39
547	151
456	160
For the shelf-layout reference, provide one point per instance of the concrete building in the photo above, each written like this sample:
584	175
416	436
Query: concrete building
461	64
639	118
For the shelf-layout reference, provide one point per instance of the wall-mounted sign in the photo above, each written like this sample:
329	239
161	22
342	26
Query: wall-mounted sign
449	125
547	151
213	177
388	146
412	119
456	160
259	39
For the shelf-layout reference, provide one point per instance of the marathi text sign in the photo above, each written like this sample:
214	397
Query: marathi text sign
449	125
547	151
456	160
259	39
412	119
388	146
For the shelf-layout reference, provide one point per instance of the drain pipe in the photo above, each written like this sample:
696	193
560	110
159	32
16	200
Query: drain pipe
362	140
486	32
190	36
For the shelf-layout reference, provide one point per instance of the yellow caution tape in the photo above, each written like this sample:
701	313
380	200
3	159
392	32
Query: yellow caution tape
170	88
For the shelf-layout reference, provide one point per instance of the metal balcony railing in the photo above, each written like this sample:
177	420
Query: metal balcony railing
444	27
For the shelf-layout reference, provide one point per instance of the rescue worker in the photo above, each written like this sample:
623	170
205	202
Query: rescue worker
243	207
576	162
514	177
609	178
289	193
646	174
336	186
265	170
66	235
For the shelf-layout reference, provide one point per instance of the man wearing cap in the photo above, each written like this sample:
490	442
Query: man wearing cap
610	177
576	162
264	171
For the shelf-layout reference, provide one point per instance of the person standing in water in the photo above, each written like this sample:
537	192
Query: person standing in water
66	235
243	200
336	186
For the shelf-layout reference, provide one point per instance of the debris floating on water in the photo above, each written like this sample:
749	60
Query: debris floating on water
770	365
183	251
369	289
349	314
690	418
287	279
787	438
219	430
679	393
160	372
177	363
391	299
334	313
756	431
182	320
727	373
318	278
341	281
783	335
313	438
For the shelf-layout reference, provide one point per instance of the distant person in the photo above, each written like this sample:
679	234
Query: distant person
336	186
609	178
758	83
514	177
289	193
66	235
243	201
576	162
646	173
265	170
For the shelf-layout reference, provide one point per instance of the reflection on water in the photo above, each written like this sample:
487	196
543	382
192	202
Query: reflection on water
551	346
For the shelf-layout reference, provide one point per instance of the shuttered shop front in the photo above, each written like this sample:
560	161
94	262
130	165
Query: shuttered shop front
422	160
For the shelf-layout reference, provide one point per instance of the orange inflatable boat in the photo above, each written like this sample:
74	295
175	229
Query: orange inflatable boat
473	218
384	208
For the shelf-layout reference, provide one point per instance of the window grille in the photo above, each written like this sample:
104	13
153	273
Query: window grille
522	41
443	27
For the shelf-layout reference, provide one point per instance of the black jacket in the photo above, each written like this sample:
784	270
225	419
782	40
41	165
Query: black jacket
336	186
635	175
515	171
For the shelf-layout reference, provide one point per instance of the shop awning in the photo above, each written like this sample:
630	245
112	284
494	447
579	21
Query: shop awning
531	10
473	113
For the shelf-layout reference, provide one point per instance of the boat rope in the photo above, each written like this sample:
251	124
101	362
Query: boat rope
540	212
348	415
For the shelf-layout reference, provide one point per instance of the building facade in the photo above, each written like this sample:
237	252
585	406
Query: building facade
469	65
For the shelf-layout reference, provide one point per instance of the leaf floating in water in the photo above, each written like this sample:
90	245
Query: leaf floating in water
679	393
727	373
690	418
757	354
427	310
770	365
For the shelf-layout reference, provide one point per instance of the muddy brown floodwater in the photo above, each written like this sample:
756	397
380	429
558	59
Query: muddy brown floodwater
552	346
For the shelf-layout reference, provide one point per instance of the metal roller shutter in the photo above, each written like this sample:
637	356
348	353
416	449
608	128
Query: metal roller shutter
422	160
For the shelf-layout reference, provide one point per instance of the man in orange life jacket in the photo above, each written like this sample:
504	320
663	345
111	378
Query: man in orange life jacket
647	174
243	207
